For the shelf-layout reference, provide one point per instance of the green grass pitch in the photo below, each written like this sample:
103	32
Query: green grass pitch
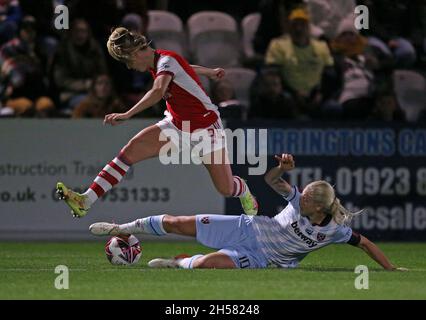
27	272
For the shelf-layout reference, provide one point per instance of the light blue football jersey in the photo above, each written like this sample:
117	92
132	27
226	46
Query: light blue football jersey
288	237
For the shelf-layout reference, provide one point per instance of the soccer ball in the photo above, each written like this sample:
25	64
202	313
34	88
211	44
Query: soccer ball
122	250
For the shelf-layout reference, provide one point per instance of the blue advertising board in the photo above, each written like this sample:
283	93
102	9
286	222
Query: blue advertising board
372	166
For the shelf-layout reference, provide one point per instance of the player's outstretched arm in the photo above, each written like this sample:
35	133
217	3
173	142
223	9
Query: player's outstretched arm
152	97
377	255
274	176
214	74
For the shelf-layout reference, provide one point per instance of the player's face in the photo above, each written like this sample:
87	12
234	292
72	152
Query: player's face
80	33
307	205
141	60
103	87
299	28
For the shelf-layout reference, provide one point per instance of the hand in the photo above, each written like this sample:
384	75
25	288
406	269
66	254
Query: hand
115	118
217	74
286	162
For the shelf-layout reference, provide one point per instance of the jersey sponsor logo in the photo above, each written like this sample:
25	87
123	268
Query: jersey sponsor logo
311	243
205	220
320	236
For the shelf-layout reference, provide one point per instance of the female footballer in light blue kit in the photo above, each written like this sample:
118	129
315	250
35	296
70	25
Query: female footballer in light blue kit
312	220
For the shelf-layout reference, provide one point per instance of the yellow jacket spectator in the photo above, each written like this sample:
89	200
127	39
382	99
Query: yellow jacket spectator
302	59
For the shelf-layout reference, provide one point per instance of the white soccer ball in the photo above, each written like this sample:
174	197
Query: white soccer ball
123	250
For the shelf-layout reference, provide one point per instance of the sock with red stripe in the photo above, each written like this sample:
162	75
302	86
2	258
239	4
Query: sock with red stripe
240	187
110	175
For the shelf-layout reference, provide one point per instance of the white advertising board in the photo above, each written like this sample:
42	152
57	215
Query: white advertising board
35	154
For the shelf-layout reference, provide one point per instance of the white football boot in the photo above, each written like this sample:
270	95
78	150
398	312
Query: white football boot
105	229
163	263
167	263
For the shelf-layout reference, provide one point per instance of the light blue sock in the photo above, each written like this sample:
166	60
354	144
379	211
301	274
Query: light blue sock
186	263
149	225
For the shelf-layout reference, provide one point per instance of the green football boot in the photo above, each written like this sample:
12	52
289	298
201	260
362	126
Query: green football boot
76	201
249	203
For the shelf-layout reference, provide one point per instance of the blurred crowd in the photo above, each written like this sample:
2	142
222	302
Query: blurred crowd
306	60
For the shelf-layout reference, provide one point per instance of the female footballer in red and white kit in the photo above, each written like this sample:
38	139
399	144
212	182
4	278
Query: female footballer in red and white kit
189	110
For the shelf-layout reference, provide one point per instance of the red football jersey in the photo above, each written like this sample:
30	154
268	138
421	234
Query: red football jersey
186	99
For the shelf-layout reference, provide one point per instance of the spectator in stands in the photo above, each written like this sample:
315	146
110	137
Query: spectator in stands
78	59
10	17
22	76
101	100
302	60
400	25
26	43
223	95
357	81
268	98
47	36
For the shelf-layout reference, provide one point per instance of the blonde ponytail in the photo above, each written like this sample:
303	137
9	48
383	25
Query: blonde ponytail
342	215
323	194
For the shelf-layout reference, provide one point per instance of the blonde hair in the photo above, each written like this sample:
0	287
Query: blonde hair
323	194
122	44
